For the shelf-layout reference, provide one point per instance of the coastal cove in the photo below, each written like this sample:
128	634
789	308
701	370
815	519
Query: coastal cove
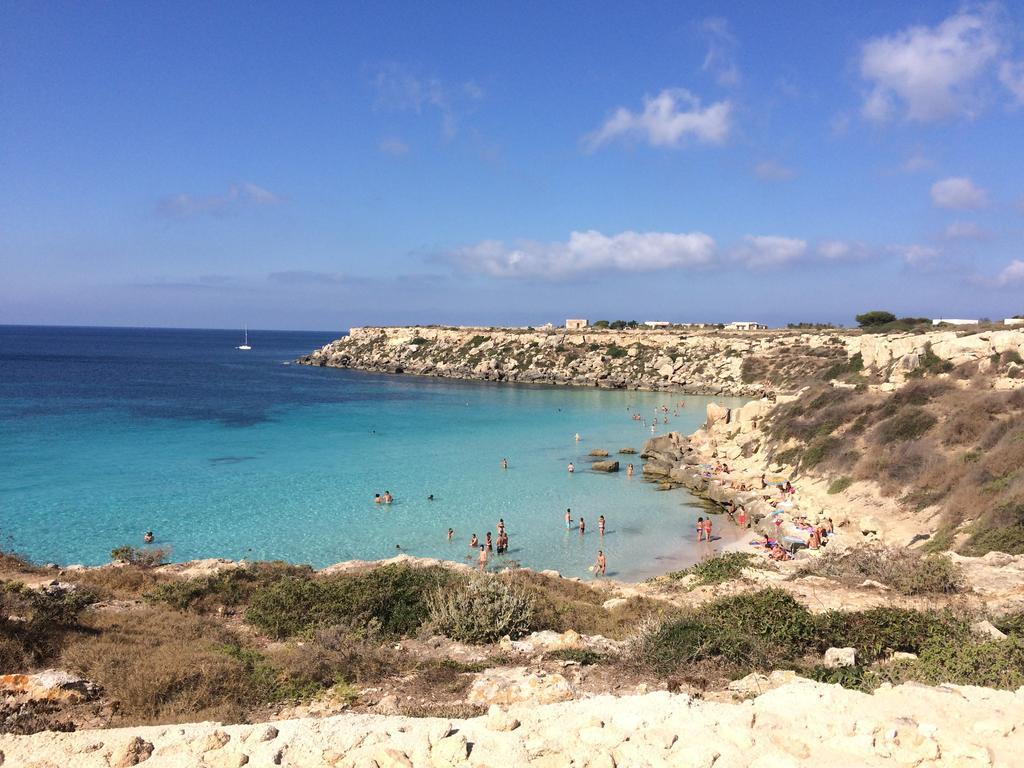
111	432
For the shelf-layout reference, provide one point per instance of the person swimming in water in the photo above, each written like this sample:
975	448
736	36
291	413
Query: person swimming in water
451	534
473	542
148	537
377	499
571	467
629	470
430	497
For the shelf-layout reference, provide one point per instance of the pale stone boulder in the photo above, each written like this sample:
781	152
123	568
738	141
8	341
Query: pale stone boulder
517	685
840	657
53	685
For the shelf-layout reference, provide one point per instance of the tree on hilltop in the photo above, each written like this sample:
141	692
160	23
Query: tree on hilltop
600	323
875	317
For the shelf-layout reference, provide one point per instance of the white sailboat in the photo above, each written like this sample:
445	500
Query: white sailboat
245	344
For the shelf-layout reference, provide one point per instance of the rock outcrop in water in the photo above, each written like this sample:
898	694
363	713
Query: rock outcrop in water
702	362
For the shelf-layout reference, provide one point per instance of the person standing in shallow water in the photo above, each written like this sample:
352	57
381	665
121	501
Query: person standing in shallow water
473	541
583	526
700	529
504	463
600	565
568	519
600	525
483	558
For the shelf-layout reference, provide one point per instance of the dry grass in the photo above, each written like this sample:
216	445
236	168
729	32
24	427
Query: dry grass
126	582
162	666
561	604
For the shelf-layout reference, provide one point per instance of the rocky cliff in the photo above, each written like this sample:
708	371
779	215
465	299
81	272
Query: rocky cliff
703	362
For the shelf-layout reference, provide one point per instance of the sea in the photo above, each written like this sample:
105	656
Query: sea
106	433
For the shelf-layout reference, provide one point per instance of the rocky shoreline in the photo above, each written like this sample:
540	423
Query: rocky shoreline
705	362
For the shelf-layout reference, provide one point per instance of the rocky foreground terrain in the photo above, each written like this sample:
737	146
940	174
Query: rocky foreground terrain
797	724
701	362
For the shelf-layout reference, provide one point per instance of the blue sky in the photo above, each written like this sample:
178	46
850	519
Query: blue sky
326	165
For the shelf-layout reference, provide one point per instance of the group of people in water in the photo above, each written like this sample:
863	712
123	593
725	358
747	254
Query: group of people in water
387	498
498	545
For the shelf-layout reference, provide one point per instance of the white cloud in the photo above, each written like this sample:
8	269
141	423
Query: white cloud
400	90
842	250
958	193
244	194
916	162
761	251
770	170
930	73
392	145
667	119
914	254
1012	274
1011	74
964	230
588	252
721	56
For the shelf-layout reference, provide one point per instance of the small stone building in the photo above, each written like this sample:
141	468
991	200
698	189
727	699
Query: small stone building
575	325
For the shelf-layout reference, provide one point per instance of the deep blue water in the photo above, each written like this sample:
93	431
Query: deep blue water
105	433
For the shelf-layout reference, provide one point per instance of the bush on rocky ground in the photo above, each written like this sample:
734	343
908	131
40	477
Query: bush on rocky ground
879	632
717	569
993	664
754	631
394	595
141	557
228	588
34	624
481	609
562	604
906	571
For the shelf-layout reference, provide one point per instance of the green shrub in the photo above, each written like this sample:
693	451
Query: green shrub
1007	538
145	557
615	351
752	631
393	595
877	632
856	677
993	664
715	570
909	424
34	624
817	451
482	609
875	317
228	588
839	485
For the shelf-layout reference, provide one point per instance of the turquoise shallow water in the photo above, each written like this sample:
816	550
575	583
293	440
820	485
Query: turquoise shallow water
105	433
